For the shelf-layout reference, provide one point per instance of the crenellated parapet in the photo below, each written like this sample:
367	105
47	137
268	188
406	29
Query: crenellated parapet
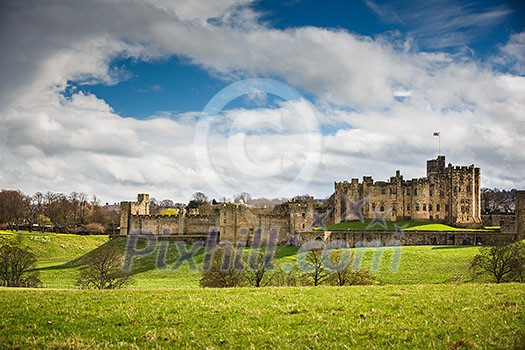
448	194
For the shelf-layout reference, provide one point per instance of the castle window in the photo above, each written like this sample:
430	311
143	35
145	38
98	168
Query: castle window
408	207
415	191
373	206
303	226
393	207
438	207
459	188
468	188
417	207
383	191
382	208
303	215
455	188
430	207
446	207
431	192
424	207
441	194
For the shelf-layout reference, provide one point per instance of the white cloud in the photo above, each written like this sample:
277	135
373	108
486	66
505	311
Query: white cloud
48	142
441	24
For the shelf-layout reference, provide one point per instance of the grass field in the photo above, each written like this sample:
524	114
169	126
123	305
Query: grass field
421	303
465	316
60	257
392	226
52	250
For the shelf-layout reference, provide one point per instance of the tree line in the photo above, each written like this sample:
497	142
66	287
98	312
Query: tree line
57	212
496	201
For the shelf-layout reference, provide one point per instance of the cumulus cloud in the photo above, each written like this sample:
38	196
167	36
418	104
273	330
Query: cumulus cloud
379	100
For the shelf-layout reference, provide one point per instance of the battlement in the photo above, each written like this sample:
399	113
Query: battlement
447	194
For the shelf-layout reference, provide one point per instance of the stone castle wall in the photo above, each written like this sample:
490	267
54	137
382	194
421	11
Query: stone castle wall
520	214
448	194
389	238
231	220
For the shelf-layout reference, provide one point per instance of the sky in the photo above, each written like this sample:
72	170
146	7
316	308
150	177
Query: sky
274	98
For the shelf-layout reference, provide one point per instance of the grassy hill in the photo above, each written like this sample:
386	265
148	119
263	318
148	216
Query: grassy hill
392	226
53	250
464	316
60	257
418	305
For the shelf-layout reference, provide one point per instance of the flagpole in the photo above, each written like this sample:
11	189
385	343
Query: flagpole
438	134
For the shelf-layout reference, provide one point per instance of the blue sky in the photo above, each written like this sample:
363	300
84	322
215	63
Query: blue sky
175	85
107	98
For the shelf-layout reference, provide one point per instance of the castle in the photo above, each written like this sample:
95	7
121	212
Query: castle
229	219
448	194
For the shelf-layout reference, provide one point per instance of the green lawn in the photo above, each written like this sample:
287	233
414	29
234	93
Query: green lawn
464	316
416	264
53	250
60	257
392	226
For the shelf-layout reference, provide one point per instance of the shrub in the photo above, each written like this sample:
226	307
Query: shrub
95	228
343	271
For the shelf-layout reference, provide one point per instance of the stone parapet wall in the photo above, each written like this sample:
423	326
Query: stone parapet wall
387	238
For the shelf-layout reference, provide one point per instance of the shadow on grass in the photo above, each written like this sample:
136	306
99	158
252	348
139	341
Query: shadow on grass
453	247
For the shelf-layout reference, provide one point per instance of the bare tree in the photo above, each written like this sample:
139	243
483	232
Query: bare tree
103	270
258	267
199	197
17	267
243	197
222	272
315	271
495	201
502	262
14	207
344	273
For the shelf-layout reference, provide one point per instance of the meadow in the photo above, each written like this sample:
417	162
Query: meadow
427	301
457	316
398	225
60	257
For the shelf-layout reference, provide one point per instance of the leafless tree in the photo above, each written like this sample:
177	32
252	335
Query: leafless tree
103	270
222	272
17	267
502	262
258	269
14	207
343	272
316	271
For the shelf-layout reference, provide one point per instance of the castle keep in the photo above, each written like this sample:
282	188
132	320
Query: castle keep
448	194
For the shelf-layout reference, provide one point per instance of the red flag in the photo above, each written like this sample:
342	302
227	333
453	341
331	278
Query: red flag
436	133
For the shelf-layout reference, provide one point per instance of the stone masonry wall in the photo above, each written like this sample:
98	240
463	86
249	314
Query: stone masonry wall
448	194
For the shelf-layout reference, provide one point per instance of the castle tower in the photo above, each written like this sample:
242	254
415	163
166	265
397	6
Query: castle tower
127	209
436	166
